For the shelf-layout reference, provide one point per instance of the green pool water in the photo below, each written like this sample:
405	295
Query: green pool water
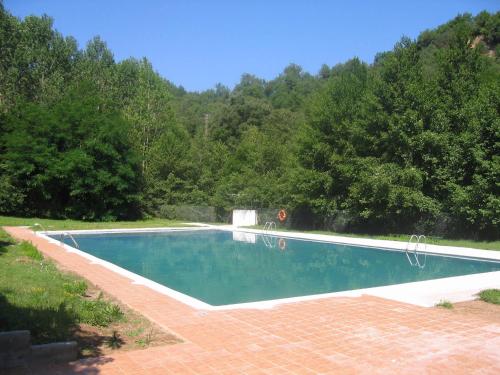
215	268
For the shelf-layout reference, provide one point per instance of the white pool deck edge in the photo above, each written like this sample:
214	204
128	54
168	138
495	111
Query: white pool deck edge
422	293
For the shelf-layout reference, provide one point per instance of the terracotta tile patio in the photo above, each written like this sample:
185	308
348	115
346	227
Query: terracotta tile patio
365	335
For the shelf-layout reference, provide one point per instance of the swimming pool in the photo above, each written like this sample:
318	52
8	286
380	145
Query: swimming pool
221	267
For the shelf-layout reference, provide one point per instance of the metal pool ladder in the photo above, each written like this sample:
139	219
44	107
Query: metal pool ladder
419	240
67	234
268	226
39	225
268	240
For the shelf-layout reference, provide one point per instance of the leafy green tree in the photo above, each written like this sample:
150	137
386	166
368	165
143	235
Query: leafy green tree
256	174
36	61
291	88
408	143
71	159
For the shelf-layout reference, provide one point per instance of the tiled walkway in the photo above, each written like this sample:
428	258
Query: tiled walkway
365	335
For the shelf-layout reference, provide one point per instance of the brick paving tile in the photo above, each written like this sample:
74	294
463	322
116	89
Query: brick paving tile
364	335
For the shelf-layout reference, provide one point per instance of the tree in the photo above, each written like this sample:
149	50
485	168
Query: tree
408	143
71	159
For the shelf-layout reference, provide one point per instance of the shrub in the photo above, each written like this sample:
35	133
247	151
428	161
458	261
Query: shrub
490	295
115	341
99	313
76	287
445	304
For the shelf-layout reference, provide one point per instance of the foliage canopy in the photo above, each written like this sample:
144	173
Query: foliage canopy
410	142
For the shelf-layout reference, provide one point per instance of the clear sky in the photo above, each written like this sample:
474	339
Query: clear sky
197	44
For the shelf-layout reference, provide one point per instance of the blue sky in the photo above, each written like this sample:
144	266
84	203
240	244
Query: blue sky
197	44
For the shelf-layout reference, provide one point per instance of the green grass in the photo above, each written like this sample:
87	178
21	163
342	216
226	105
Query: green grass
490	295
51	224
35	295
76	288
483	245
30	251
135	332
99	313
445	304
147	339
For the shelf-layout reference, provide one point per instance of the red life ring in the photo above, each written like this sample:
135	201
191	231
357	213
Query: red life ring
282	216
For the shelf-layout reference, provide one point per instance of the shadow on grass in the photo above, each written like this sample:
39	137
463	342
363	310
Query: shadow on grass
49	325
3	246
46	324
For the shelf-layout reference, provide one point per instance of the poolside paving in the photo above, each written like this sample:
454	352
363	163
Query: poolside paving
363	335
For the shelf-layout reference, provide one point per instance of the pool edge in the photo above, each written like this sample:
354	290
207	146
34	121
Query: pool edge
421	293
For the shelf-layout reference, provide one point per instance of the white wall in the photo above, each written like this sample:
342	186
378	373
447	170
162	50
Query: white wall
245	237
242	218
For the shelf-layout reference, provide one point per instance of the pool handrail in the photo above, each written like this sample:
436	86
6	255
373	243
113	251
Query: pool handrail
70	236
419	240
39	225
268	226
268	240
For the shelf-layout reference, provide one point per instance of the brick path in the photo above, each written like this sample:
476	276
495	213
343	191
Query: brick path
365	335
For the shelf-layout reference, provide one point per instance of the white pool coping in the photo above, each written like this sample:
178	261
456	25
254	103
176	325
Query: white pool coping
422	293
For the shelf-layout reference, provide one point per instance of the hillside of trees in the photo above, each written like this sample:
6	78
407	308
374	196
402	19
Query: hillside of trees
408	143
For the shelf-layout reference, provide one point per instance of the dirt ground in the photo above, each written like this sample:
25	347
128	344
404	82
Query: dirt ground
133	332
479	309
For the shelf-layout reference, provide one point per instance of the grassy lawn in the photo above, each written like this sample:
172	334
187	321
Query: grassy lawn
50	224
484	245
57	306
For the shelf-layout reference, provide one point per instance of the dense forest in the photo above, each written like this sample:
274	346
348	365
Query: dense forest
410	142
